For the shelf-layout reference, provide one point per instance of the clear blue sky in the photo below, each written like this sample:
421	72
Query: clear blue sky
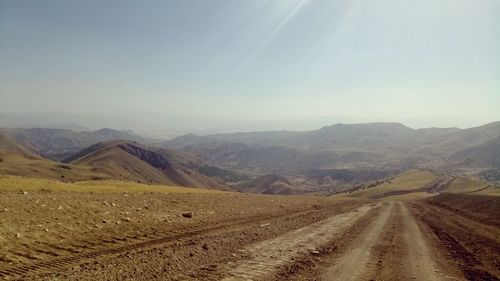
436	62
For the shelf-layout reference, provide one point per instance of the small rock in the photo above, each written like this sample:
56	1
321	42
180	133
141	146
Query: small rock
60	207
127	219
18	235
315	253
265	224
211	267
113	204
46	230
205	246
24	192
187	215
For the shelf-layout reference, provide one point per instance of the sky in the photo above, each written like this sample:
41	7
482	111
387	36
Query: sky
422	63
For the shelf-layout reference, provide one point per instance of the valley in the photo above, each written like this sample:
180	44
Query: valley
236	140
123	210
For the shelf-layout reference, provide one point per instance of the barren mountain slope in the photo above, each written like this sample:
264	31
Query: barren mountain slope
132	161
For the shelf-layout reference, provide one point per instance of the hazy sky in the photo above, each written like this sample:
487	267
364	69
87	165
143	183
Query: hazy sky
430	62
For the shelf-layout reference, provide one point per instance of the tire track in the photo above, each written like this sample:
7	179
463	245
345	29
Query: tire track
26	269
476	255
387	252
266	257
419	260
353	264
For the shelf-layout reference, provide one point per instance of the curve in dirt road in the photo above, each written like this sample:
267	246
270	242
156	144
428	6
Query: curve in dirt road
266	257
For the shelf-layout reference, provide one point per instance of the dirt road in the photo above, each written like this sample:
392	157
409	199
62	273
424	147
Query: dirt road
268	256
337	240
410	241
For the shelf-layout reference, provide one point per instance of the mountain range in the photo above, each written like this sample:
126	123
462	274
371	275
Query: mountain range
385	146
331	158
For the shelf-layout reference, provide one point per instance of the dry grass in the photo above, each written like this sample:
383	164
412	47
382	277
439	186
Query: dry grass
411	179
32	166
409	196
461	185
18	183
474	186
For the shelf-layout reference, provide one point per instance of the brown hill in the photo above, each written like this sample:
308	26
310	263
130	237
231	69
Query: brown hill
268	184
134	162
16	160
58	144
7	144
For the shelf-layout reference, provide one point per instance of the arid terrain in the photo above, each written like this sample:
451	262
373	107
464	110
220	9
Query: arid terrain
122	210
236	140
401	229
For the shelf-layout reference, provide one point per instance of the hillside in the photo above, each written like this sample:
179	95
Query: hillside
15	160
268	184
383	146
58	144
7	144
486	155
134	162
407	184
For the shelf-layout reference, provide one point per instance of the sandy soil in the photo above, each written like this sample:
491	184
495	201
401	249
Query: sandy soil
245	237
44	231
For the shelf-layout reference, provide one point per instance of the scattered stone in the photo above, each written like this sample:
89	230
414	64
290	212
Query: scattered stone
60	207
315	253
127	219
46	230
211	267
113	204
24	192
265	224
187	215
18	235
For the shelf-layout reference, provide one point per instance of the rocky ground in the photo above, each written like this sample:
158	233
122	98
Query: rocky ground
148	236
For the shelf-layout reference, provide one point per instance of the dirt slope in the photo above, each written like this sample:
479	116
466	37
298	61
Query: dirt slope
16	160
134	162
268	184
8	145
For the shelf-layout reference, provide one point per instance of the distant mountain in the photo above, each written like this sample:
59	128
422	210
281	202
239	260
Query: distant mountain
335	177
135	162
16	160
385	146
485	155
58	144
7	144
